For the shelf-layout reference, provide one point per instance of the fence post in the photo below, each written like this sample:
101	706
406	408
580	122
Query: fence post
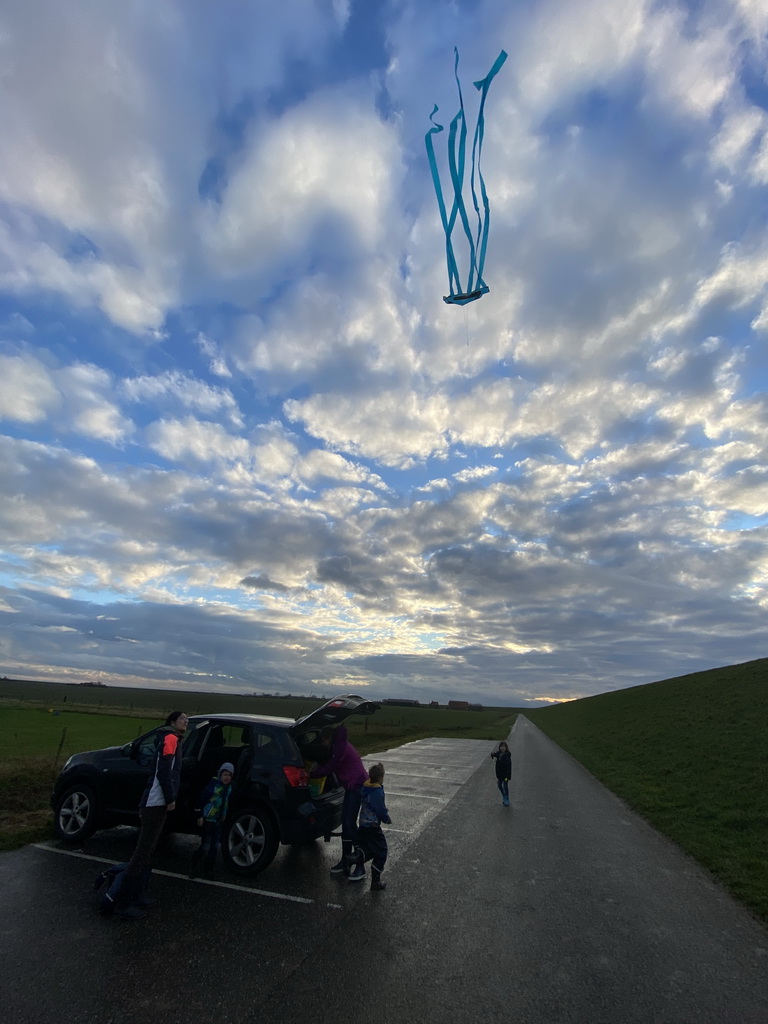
61	744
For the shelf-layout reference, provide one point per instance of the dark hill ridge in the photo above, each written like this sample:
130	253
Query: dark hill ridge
691	755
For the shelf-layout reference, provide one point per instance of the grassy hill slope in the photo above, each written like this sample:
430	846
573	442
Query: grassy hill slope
691	755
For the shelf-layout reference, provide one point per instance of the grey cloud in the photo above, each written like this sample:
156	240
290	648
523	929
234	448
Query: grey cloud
338	569
263	582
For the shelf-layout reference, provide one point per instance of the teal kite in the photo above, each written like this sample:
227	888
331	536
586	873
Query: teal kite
476	286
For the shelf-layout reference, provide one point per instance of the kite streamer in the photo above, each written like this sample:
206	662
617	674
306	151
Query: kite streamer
457	144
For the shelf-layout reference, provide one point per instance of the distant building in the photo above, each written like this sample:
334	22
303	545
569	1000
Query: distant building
434	704
402	702
96	683
458	705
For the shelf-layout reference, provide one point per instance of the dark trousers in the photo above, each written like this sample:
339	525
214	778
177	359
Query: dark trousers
374	846
210	841
140	864
503	785
349	812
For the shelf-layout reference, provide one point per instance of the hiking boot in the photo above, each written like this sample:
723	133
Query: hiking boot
340	868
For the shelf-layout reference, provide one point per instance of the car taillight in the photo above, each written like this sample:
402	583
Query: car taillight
296	776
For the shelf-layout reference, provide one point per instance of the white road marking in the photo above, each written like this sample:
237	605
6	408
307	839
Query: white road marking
184	878
415	796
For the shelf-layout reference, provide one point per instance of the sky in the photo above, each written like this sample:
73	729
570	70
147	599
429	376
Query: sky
246	446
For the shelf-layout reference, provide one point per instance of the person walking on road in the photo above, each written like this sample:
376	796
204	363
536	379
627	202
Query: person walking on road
373	842
345	763
158	799
211	810
503	760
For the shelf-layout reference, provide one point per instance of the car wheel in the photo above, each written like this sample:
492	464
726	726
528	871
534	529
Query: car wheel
75	814
249	841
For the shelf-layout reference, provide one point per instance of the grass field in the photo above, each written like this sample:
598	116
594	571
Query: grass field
41	724
690	755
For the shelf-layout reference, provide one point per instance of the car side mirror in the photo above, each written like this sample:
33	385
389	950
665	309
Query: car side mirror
127	750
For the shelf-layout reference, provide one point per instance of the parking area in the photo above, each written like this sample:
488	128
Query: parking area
212	951
421	779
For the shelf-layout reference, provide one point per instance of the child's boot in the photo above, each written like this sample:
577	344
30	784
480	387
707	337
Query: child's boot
376	883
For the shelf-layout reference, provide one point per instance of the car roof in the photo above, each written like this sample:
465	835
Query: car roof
285	723
332	712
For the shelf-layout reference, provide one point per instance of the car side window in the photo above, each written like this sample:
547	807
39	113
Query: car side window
144	751
194	738
224	741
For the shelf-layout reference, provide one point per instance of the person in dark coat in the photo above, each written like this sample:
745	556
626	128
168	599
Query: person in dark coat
503	760
345	763
158	799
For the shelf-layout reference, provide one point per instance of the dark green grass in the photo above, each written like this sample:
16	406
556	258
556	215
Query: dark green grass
690	755
35	743
25	787
39	731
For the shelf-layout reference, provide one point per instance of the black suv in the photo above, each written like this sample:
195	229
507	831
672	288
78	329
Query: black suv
271	802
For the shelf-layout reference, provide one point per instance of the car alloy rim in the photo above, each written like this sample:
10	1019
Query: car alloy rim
74	813
246	840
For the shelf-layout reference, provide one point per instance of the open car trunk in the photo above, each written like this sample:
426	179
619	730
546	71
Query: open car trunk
306	732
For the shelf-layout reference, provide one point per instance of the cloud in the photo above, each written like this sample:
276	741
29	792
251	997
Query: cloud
26	389
75	397
242	435
173	388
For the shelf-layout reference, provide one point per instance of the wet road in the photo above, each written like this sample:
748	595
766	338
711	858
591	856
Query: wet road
563	908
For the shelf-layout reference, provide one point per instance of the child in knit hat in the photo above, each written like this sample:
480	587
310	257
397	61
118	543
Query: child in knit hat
211	810
371	839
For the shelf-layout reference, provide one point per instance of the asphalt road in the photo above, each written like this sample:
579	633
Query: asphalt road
564	907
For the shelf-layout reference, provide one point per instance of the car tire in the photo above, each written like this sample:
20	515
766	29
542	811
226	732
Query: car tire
249	842
75	814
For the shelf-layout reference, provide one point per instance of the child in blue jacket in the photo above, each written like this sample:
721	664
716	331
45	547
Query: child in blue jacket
211	811
370	838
